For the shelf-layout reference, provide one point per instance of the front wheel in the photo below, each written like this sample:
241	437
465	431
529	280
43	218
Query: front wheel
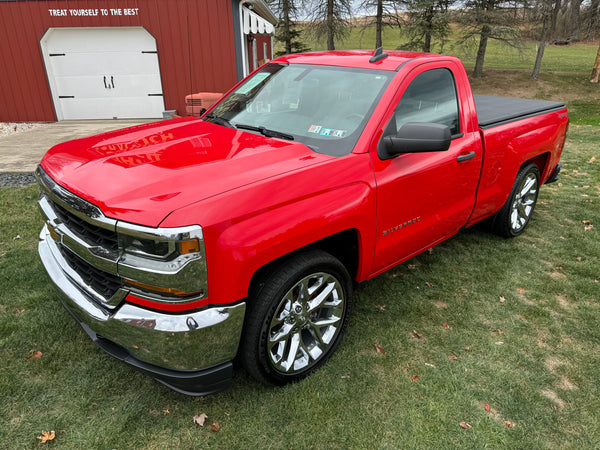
296	319
514	216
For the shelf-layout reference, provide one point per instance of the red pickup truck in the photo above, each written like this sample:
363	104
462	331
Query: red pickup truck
183	244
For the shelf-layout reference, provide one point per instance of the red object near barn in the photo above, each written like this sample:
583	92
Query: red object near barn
75	59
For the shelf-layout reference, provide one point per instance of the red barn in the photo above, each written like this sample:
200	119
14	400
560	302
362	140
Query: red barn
105	59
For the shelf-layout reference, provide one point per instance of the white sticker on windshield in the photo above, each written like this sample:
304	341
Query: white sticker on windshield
253	82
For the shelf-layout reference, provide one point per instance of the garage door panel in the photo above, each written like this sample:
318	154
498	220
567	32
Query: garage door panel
109	86
80	64
102	73
105	106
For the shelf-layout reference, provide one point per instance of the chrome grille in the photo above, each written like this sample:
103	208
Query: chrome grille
103	283
92	234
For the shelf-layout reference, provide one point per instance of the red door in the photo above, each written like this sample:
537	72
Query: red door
423	198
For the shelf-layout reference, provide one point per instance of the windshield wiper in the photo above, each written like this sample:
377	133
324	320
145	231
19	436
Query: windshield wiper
265	131
219	120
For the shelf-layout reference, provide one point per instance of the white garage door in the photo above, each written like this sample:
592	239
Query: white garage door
103	73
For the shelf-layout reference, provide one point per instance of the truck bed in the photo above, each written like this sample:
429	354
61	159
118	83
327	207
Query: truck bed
494	111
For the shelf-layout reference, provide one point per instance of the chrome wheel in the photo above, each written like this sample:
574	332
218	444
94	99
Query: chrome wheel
524	202
305	323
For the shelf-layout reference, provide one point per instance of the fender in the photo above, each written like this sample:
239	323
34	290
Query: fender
251	226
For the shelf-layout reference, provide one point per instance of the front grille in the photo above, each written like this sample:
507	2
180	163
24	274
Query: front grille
103	283
93	235
193	101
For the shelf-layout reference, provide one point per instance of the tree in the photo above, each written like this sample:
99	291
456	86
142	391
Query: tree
386	14
286	29
596	69
329	19
545	9
427	20
486	19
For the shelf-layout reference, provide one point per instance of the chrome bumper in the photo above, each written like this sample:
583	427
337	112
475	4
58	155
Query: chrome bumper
186	342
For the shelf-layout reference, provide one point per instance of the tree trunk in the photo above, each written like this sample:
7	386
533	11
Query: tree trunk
555	12
575	19
379	24
330	25
483	39
540	53
287	38
429	22
596	69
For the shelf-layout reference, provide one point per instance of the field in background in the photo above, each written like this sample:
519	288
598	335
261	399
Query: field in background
498	334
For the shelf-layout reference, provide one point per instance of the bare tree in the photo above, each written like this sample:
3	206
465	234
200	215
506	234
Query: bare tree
596	70
329	19
427	20
545	9
486	19
386	14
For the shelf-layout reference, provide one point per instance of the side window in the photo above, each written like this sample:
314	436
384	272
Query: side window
430	97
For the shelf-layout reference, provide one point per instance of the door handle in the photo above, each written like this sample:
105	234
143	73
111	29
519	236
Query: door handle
466	157
105	86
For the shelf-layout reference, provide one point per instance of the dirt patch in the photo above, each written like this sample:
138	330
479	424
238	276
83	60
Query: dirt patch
566	384
558	275
562	301
552	363
551	395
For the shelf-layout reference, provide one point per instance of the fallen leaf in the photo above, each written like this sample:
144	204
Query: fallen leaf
412	266
520	289
46	436
499	343
134	346
487	407
428	284
592	159
579	258
589	227
586	222
453	357
199	420
17	237
166	411
430	365
416	335
415	378
20	311
522	318
345	377
502	299
215	426
445	325
379	349
381	307
430	250
467	348
37	354
153	411
497	330
465	425
509	424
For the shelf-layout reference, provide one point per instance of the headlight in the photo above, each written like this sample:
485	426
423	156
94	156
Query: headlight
164	264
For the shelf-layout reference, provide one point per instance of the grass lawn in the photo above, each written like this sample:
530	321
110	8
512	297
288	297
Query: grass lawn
513	324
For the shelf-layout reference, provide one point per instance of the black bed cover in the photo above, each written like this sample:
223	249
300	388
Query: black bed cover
493	111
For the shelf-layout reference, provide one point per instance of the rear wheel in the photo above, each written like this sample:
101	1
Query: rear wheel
296	319
514	216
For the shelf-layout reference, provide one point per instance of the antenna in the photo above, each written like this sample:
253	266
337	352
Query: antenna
378	55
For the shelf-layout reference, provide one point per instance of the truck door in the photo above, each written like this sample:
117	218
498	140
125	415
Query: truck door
423	198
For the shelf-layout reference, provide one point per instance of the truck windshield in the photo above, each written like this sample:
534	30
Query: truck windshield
324	107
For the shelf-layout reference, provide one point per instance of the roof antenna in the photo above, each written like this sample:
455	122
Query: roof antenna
378	55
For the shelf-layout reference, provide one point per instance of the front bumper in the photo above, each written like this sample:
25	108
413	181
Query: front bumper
190	352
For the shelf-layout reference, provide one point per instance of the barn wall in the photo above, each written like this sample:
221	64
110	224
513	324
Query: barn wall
195	42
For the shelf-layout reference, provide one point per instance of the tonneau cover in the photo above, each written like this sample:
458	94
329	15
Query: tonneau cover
492	111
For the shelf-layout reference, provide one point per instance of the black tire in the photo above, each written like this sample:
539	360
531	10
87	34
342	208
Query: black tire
514	216
290	331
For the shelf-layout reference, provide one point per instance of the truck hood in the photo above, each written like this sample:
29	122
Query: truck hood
143	173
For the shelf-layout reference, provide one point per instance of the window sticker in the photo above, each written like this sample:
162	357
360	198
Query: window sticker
253	82
318	129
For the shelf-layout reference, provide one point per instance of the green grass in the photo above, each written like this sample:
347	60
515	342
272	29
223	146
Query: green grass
544	378
534	357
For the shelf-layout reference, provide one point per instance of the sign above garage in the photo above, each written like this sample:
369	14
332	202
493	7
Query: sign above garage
94	12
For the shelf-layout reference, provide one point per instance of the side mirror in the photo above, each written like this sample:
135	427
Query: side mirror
417	137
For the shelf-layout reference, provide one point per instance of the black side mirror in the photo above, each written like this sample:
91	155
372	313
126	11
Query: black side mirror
416	137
